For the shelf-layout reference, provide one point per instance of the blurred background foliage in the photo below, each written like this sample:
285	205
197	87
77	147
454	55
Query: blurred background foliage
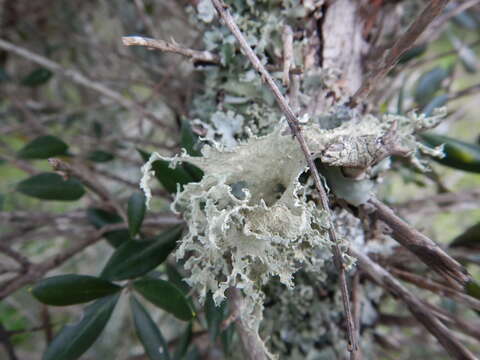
44	114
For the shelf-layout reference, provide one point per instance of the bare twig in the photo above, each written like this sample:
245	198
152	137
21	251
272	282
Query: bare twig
19	258
423	247
418	309
7	344
438	288
293	122
404	43
80	79
195	55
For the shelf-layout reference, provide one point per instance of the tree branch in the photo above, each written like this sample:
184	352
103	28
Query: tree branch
195	55
391	56
418	309
423	247
293	122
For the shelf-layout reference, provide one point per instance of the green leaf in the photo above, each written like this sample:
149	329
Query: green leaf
188	140
412	53
429	83
183	343
469	239
458	154
100	156
73	340
168	177
37	77
166	296
136	212
437	101
51	186
148	332
176	278
43	147
135	258
473	289
214	316
100	218
65	290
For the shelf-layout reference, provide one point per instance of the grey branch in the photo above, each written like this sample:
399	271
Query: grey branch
423	247
293	122
404	43
418	309
195	55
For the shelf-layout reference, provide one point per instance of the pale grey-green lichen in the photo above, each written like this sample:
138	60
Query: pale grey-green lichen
252	223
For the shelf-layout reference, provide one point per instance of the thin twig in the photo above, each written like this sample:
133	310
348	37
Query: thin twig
437	288
81	79
414	304
423	247
404	43
195	55
293	122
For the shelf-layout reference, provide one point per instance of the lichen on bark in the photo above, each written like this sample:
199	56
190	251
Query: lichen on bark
253	217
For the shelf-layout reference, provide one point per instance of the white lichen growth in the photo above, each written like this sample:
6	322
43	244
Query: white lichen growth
250	219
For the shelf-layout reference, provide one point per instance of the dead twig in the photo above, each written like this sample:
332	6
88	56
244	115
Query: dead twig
423	247
437	288
293	122
391	56
418	309
195	55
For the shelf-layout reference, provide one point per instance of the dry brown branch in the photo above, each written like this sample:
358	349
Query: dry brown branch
437	288
80	79
441	202
391	56
423	247
293	122
195	55
418	309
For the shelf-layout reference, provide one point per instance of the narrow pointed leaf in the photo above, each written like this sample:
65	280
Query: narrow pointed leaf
65	290
136	212
136	258
37	77
100	156
214	315
428	84
73	340
168	177
184	343
43	147
166	296
458	154
100	218
51	186
437	101
412	53
148	332
188	139
469	239
176	278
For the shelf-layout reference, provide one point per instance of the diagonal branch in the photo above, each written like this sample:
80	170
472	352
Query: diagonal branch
293	122
425	248
195	55
418	309
391	56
